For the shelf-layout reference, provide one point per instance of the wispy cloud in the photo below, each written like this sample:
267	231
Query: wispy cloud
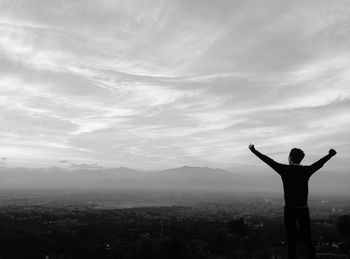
151	84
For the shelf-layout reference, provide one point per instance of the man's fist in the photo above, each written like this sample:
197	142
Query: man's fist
251	147
332	152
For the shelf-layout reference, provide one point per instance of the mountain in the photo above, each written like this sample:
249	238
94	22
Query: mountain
195	178
184	178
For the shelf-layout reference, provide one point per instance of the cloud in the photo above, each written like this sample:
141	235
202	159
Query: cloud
85	166
63	161
108	83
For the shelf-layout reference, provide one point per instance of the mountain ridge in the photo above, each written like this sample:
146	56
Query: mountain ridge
184	178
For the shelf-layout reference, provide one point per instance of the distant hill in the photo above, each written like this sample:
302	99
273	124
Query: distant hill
182	178
196	178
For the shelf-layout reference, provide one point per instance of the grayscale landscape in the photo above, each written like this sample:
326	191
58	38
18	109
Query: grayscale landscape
174	129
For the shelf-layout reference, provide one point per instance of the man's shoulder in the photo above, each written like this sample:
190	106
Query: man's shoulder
281	168
298	168
294	167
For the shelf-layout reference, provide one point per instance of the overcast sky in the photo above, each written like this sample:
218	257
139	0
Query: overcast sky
159	84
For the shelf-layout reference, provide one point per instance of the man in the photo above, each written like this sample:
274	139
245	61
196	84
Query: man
295	178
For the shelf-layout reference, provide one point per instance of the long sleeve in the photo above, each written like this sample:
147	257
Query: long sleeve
272	163
317	165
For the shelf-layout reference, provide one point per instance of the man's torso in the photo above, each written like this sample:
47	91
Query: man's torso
295	180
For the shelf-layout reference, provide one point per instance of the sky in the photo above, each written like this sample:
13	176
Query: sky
161	83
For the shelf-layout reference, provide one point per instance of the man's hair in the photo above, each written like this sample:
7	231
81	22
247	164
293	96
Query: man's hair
296	155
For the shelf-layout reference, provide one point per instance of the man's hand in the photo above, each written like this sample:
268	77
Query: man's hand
332	152
251	147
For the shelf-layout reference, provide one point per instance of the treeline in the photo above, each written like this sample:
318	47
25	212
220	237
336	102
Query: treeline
152	233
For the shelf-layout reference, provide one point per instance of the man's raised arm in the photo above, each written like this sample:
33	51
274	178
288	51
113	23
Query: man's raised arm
317	165
265	158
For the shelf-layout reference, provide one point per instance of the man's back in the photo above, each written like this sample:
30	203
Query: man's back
295	180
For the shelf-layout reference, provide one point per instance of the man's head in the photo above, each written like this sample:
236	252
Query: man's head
296	155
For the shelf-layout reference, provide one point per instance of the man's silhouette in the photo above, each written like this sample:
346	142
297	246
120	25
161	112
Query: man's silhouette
295	178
